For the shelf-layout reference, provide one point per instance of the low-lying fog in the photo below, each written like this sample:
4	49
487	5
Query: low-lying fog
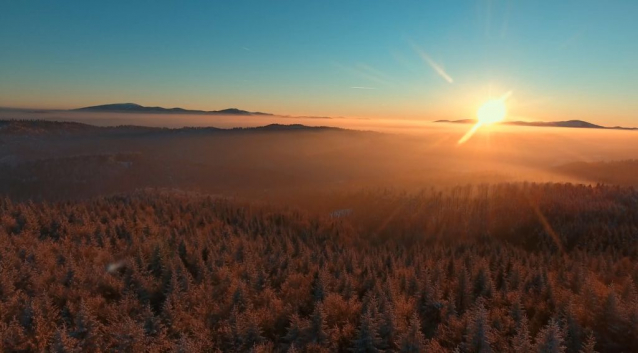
220	121
406	154
550	145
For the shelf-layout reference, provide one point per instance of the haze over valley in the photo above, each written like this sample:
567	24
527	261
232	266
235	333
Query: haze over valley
329	176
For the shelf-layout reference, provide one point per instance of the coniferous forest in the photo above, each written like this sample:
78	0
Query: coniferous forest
518	267
319	176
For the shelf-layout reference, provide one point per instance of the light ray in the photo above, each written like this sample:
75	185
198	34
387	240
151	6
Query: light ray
548	228
469	134
433	64
492	107
546	225
505	96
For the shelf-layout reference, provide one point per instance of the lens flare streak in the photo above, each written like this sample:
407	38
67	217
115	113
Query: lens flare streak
492	111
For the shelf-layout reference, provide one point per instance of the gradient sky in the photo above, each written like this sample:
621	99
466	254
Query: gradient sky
395	59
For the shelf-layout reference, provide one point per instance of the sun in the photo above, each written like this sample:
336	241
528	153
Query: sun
492	111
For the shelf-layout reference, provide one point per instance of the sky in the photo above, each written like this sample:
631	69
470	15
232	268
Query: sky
372	59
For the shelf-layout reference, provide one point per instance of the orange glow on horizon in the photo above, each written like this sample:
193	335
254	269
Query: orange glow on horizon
491	112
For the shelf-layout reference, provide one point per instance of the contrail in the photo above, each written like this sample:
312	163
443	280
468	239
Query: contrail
436	67
361	87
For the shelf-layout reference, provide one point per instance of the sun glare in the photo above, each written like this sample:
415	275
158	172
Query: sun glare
492	111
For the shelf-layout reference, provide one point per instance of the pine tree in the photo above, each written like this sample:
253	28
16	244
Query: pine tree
413	340
251	331
368	335
550	339
573	331
433	346
318	287
388	327
588	346
590	302
62	343
483	285
429	309
449	310
479	337
156	265
152	324
295	333
612	322
87	329
522	343
464	292
318	325
517	311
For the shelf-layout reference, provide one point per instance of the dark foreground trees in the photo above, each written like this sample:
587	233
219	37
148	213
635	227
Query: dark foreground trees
524	268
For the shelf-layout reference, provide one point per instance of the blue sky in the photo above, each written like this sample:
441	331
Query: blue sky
560	59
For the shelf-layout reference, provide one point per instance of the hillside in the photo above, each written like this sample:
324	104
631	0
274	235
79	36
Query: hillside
286	238
136	108
503	267
610	172
568	123
48	127
45	160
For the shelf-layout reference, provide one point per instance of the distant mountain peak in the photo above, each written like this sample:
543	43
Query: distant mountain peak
568	123
113	106
136	108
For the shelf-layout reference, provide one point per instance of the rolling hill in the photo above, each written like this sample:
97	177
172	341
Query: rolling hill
568	123
136	108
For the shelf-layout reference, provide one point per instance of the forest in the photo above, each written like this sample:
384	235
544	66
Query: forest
319	176
520	267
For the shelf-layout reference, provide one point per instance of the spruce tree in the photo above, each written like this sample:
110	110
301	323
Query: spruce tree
318	325
413	340
522	343
550	339
589	344
367	336
479	336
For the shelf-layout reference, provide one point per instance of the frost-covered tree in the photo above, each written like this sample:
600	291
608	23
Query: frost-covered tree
550	339
413	340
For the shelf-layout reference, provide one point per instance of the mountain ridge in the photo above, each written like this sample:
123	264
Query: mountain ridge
137	108
49	127
579	124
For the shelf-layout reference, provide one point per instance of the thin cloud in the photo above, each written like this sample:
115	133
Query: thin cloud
374	72
245	48
433	64
366	72
361	87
